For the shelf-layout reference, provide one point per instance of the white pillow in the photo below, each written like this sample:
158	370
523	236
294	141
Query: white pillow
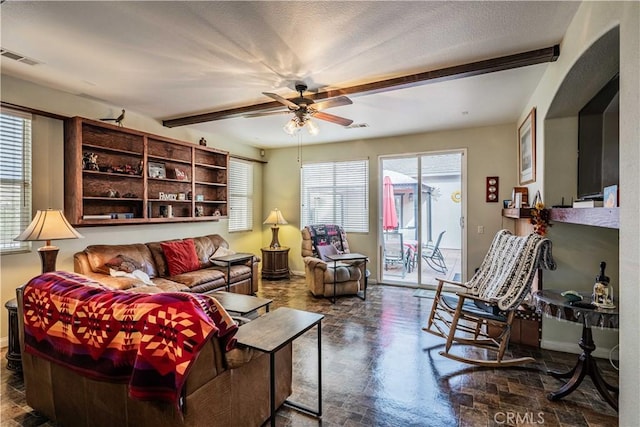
135	274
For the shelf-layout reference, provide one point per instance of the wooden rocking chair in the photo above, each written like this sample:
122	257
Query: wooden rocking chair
481	314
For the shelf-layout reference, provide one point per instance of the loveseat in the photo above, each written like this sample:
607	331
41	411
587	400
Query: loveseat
321	240
222	385
153	259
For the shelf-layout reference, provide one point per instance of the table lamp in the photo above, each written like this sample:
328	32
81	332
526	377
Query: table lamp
49	225
275	217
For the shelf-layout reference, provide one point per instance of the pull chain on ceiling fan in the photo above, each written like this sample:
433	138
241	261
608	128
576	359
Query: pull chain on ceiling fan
304	109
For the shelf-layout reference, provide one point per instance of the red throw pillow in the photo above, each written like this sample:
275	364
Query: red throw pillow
181	256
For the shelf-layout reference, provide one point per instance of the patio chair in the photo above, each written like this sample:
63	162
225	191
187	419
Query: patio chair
433	256
482	313
394	254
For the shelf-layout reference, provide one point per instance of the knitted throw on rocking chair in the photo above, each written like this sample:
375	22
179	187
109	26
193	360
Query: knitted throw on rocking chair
491	297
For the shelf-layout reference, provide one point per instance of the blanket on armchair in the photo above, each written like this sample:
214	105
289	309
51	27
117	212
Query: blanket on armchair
147	340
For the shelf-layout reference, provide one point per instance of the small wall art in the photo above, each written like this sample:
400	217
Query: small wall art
527	149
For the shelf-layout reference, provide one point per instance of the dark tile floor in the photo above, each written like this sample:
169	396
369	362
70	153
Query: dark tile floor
380	369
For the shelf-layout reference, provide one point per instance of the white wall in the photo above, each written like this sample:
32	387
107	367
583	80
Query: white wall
490	150
48	185
592	20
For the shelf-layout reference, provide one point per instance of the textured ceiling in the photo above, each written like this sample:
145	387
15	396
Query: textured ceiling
171	59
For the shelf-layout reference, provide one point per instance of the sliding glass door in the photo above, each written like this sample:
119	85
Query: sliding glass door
422	218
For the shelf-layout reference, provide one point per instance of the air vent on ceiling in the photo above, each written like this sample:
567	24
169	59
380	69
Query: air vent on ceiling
357	125
18	57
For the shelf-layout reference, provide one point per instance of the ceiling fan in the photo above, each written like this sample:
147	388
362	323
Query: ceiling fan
304	109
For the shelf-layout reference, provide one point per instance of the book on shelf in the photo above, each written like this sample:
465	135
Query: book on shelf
588	203
106	216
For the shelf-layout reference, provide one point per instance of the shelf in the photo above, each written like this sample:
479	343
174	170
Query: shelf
112	174
595	217
168	159
516	213
86	191
204	165
211	184
111	149
112	199
182	181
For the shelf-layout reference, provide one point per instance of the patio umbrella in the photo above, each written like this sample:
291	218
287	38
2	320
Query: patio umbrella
389	215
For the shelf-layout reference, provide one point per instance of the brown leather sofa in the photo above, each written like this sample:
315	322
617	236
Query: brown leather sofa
91	262
221	389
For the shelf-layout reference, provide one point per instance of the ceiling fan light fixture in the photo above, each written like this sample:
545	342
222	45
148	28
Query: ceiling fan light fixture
291	127
312	127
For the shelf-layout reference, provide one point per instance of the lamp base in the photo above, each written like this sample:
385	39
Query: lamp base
274	238
48	255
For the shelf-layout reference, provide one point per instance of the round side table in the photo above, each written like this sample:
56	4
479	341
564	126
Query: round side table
14	358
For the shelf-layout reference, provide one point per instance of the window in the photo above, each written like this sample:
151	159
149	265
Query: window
15	178
240	195
336	193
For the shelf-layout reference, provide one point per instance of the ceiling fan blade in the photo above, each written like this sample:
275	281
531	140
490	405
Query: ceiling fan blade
334	102
332	118
282	100
265	113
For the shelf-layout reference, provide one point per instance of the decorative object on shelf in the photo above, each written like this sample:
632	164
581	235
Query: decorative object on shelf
182	196
275	217
113	193
540	217
180	174
203	142
189	195
492	189
166	211
167	196
506	204
520	197
118	120
47	226
199	211
602	291
217	213
527	149
611	196
129	196
157	170
90	162
199	198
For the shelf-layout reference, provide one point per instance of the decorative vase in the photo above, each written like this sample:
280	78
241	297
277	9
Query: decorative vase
602	290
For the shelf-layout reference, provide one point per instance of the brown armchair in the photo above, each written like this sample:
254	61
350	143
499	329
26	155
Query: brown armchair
326	239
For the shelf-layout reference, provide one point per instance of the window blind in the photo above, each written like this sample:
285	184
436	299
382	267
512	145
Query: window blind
15	178
336	193
240	182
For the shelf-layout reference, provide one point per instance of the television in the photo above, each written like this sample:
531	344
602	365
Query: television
598	142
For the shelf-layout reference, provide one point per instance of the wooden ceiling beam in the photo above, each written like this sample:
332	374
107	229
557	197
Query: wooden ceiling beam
523	59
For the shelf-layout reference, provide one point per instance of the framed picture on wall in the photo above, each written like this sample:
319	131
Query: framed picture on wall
527	149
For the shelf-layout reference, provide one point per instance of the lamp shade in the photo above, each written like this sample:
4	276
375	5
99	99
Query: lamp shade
275	217
49	225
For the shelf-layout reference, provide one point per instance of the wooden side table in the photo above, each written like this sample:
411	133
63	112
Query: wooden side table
275	263
14	358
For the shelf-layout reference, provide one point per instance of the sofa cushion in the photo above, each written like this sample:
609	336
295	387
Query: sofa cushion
99	255
198	277
181	256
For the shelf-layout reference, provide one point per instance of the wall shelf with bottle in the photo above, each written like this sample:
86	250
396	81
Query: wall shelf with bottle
116	175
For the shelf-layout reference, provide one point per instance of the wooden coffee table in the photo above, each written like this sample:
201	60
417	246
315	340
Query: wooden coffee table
240	303
271	332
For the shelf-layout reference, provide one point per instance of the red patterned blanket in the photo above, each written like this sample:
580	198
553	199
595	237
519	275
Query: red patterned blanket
147	340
